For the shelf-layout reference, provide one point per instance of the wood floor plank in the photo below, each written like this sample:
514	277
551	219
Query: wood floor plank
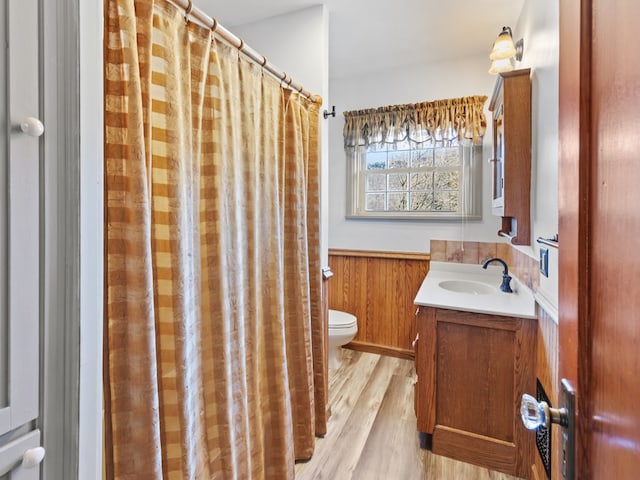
340	461
388	439
372	430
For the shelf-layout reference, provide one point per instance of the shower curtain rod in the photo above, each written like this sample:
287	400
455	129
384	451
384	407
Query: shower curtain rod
192	11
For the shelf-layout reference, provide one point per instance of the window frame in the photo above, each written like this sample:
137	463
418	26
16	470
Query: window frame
471	191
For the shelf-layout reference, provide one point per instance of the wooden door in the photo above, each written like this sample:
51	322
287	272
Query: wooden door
599	205
19	238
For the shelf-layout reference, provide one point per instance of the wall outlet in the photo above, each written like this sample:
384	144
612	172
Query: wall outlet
544	262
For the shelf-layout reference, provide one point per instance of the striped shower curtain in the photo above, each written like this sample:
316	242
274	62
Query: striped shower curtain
214	336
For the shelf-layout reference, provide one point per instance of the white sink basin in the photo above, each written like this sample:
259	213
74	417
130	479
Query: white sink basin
470	288
467	286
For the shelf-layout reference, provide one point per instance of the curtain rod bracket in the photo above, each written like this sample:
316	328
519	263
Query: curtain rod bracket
326	114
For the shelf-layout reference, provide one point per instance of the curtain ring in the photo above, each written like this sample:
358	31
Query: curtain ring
241	45
283	79
213	29
263	64
187	12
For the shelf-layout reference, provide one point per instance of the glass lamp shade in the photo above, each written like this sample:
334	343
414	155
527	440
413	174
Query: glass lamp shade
502	65
503	46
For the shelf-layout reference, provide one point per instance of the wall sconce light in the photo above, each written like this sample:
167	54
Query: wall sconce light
504	51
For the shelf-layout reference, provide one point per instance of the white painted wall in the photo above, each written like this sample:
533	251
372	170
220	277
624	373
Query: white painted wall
416	83
298	43
539	27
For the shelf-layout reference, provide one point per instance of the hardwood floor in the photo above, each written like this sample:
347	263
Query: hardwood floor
372	429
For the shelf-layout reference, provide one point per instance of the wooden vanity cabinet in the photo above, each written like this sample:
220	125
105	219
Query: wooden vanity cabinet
511	161
472	370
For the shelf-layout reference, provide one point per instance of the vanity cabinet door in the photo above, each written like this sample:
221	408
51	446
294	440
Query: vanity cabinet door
484	364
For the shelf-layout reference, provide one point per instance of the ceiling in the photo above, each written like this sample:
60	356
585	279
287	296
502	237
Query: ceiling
370	35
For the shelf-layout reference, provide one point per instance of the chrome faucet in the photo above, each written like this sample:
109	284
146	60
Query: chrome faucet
506	278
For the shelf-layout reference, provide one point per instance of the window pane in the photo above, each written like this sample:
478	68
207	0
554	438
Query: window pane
446	180
376	182
376	161
375	202
415	179
422	158
422	181
421	201
447	157
403	145
445	202
377	147
397	201
399	159
398	181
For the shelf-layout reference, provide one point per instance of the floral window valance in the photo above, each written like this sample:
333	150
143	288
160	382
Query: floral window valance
440	120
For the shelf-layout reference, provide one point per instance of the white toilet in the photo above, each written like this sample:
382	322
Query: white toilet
342	328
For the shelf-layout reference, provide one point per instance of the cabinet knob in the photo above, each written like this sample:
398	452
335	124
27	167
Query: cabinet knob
538	414
32	457
32	127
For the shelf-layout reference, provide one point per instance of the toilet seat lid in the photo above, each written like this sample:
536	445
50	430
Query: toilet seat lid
338	319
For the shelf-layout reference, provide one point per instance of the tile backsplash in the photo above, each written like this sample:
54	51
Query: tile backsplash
520	264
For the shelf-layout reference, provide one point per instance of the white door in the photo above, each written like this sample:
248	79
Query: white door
19	238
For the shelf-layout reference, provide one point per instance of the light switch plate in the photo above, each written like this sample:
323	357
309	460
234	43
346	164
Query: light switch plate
544	262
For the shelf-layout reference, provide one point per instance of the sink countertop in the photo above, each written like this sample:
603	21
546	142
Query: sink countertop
520	304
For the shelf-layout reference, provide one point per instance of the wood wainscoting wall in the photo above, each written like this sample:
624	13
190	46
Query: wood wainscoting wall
547	374
378	288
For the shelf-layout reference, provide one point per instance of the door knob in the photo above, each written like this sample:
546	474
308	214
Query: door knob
32	457
538	414
32	127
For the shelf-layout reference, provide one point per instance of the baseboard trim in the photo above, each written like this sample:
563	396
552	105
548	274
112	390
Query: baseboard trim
381	350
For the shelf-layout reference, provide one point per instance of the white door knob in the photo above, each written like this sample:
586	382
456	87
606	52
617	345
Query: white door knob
32	127
32	457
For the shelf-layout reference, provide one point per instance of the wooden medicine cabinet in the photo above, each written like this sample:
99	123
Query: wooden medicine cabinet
511	159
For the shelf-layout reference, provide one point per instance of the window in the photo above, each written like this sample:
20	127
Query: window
437	180
421	161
